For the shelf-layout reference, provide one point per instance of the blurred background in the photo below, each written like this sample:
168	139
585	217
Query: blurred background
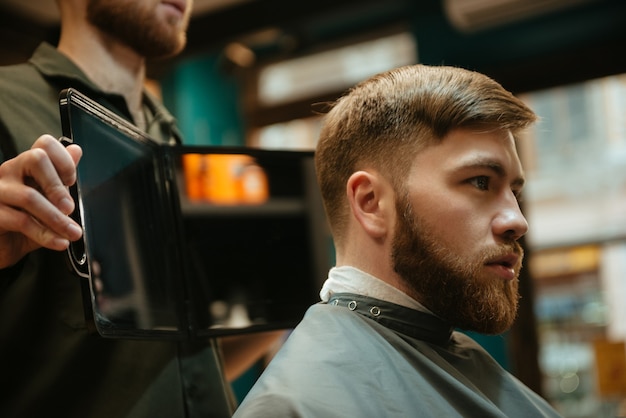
259	72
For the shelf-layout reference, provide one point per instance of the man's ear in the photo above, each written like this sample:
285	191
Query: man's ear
370	199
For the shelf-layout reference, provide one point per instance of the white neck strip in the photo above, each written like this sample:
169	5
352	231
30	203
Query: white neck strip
347	279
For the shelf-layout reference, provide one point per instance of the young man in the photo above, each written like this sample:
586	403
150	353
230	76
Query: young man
420	179
51	364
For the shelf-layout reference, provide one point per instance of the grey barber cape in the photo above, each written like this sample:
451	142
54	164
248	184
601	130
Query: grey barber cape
358	356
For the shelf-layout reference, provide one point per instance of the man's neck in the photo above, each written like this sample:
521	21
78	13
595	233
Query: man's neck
112	66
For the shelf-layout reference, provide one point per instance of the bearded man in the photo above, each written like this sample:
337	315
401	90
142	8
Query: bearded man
52	365
420	179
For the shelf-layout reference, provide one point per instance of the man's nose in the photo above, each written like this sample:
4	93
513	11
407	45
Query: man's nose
510	222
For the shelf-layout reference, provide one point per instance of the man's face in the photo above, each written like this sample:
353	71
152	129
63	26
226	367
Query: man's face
455	242
153	28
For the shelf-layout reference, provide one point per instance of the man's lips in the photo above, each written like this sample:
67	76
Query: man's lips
179	5
506	266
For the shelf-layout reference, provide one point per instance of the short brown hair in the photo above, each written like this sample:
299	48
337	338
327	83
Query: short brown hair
382	122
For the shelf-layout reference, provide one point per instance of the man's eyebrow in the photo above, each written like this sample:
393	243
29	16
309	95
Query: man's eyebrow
494	166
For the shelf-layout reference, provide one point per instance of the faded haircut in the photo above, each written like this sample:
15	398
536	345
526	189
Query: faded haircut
384	121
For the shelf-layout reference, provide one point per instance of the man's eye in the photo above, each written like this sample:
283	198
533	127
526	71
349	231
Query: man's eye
480	182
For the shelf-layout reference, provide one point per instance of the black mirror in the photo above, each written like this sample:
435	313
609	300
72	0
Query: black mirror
171	251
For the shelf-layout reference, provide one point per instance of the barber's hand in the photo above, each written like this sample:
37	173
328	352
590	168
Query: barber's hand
35	201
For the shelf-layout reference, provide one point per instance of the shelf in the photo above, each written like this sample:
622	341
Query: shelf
273	207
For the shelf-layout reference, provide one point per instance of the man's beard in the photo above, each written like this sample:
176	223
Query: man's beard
451	287
137	27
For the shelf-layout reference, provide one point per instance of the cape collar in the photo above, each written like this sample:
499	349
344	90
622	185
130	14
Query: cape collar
410	322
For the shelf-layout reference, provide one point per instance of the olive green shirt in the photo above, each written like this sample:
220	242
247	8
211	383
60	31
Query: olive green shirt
50	364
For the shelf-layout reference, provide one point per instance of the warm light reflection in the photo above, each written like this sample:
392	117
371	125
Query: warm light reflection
226	179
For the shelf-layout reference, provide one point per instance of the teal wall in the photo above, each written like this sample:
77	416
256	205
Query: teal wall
534	53
205	101
440	43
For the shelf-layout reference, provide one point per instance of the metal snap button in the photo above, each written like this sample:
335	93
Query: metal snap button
375	310
352	305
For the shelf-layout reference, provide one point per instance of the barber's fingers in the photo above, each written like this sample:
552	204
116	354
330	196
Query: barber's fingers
50	167
76	153
34	198
21	233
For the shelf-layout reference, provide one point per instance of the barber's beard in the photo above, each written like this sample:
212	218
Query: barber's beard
455	289
138	27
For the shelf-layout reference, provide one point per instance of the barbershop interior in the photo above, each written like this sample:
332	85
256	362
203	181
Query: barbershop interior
257	73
